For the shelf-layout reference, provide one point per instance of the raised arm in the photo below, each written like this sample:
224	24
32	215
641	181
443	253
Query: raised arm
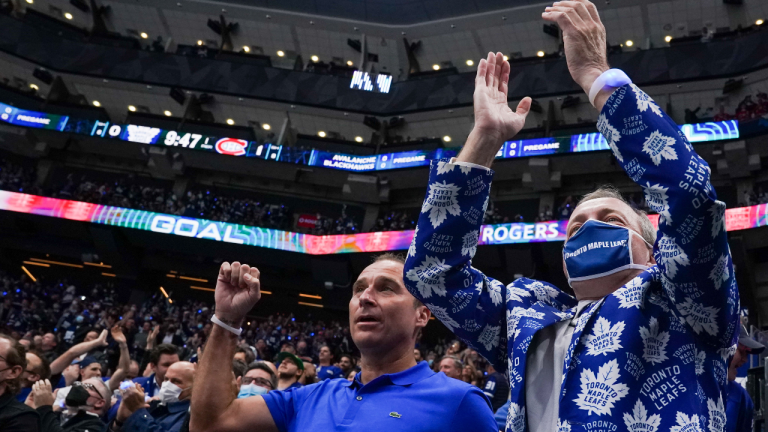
64	360
438	269
691	248
215	408
125	358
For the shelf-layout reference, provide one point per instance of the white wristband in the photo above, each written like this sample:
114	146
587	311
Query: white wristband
217	321
612	78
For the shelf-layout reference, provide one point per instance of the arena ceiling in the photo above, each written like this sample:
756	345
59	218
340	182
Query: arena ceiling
390	12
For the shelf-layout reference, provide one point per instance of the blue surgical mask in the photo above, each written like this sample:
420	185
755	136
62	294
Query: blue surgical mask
248	390
599	249
79	319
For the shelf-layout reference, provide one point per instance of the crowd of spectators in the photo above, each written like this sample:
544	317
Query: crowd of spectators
76	335
746	110
396	220
754	197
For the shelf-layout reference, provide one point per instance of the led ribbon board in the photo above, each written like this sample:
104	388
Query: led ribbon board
699	132
735	219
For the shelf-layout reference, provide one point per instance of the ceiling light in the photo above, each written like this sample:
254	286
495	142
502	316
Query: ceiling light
470	63
759	22
168	113
349	63
506	58
246	48
667	39
315	58
96	103
447	138
436	67
266	126
230	122
131	108
321	134
34	86
144	35
30	1
280	53
540	53
359	139
629	43
200	42
68	16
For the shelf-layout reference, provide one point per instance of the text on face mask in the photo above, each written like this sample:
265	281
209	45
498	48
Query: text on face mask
595	245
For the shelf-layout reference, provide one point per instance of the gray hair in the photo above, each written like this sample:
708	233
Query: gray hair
103	390
647	231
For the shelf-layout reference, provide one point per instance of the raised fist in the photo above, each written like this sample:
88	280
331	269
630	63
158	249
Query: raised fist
237	291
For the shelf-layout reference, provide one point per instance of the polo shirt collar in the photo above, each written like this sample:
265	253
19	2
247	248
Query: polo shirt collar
407	377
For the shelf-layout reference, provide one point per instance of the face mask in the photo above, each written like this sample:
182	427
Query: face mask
77	397
169	392
249	390
79	319
599	249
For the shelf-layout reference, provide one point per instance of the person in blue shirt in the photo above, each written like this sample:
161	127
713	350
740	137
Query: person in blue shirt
325	368
391	393
621	354
740	410
290	369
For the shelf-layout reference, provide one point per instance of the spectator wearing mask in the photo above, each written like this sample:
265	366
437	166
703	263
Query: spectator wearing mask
385	321
451	366
258	380
14	415
325	368
37	369
85	404
496	387
739	409
289	371
165	415
160	359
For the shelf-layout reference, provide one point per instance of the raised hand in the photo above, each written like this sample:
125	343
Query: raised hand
495	122
584	39
102	340
43	394
133	400
238	289
117	334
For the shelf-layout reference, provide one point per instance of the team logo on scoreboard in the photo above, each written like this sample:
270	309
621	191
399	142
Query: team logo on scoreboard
231	146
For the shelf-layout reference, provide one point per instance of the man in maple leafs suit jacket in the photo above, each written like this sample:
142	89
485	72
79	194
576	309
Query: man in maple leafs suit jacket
644	344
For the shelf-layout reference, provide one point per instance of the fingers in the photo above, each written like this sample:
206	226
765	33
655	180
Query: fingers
482	69
251	278
47	386
225	271
234	277
579	7
524	107
490	69
504	84
245	276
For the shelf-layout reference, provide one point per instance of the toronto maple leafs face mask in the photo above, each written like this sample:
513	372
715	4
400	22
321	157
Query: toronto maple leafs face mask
599	249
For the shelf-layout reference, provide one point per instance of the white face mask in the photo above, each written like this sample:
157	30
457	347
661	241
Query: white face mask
169	392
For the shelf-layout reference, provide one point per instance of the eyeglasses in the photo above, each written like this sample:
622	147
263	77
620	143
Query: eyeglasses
261	382
88	386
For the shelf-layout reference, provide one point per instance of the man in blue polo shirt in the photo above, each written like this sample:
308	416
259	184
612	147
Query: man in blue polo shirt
325	368
391	393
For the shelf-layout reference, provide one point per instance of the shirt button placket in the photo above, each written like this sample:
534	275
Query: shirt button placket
359	398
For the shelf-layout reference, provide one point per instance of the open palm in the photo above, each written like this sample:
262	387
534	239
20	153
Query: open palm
237	291
493	116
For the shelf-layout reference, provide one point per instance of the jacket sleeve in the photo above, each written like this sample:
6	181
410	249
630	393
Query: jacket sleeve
49	421
438	269
142	421
691	247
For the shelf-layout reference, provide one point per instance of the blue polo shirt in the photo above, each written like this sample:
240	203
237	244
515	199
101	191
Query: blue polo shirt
739	409
415	399
329	372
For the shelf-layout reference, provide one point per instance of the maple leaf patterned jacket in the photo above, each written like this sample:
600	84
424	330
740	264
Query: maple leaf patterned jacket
650	357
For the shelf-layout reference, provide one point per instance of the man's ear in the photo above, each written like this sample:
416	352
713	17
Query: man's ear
423	315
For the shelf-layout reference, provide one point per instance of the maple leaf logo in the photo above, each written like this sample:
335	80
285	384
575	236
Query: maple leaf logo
719	272
564	426
516	294
489	337
671	255
516	417
429	276
655	342
686	424
469	243
659	147
441	201
698	316
716	415
639	421
657	199
701	357
612	136
514	315
644	101
494	289
604	338
599	392
444	167
631	294
544	293
442	315
717	213
412	248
